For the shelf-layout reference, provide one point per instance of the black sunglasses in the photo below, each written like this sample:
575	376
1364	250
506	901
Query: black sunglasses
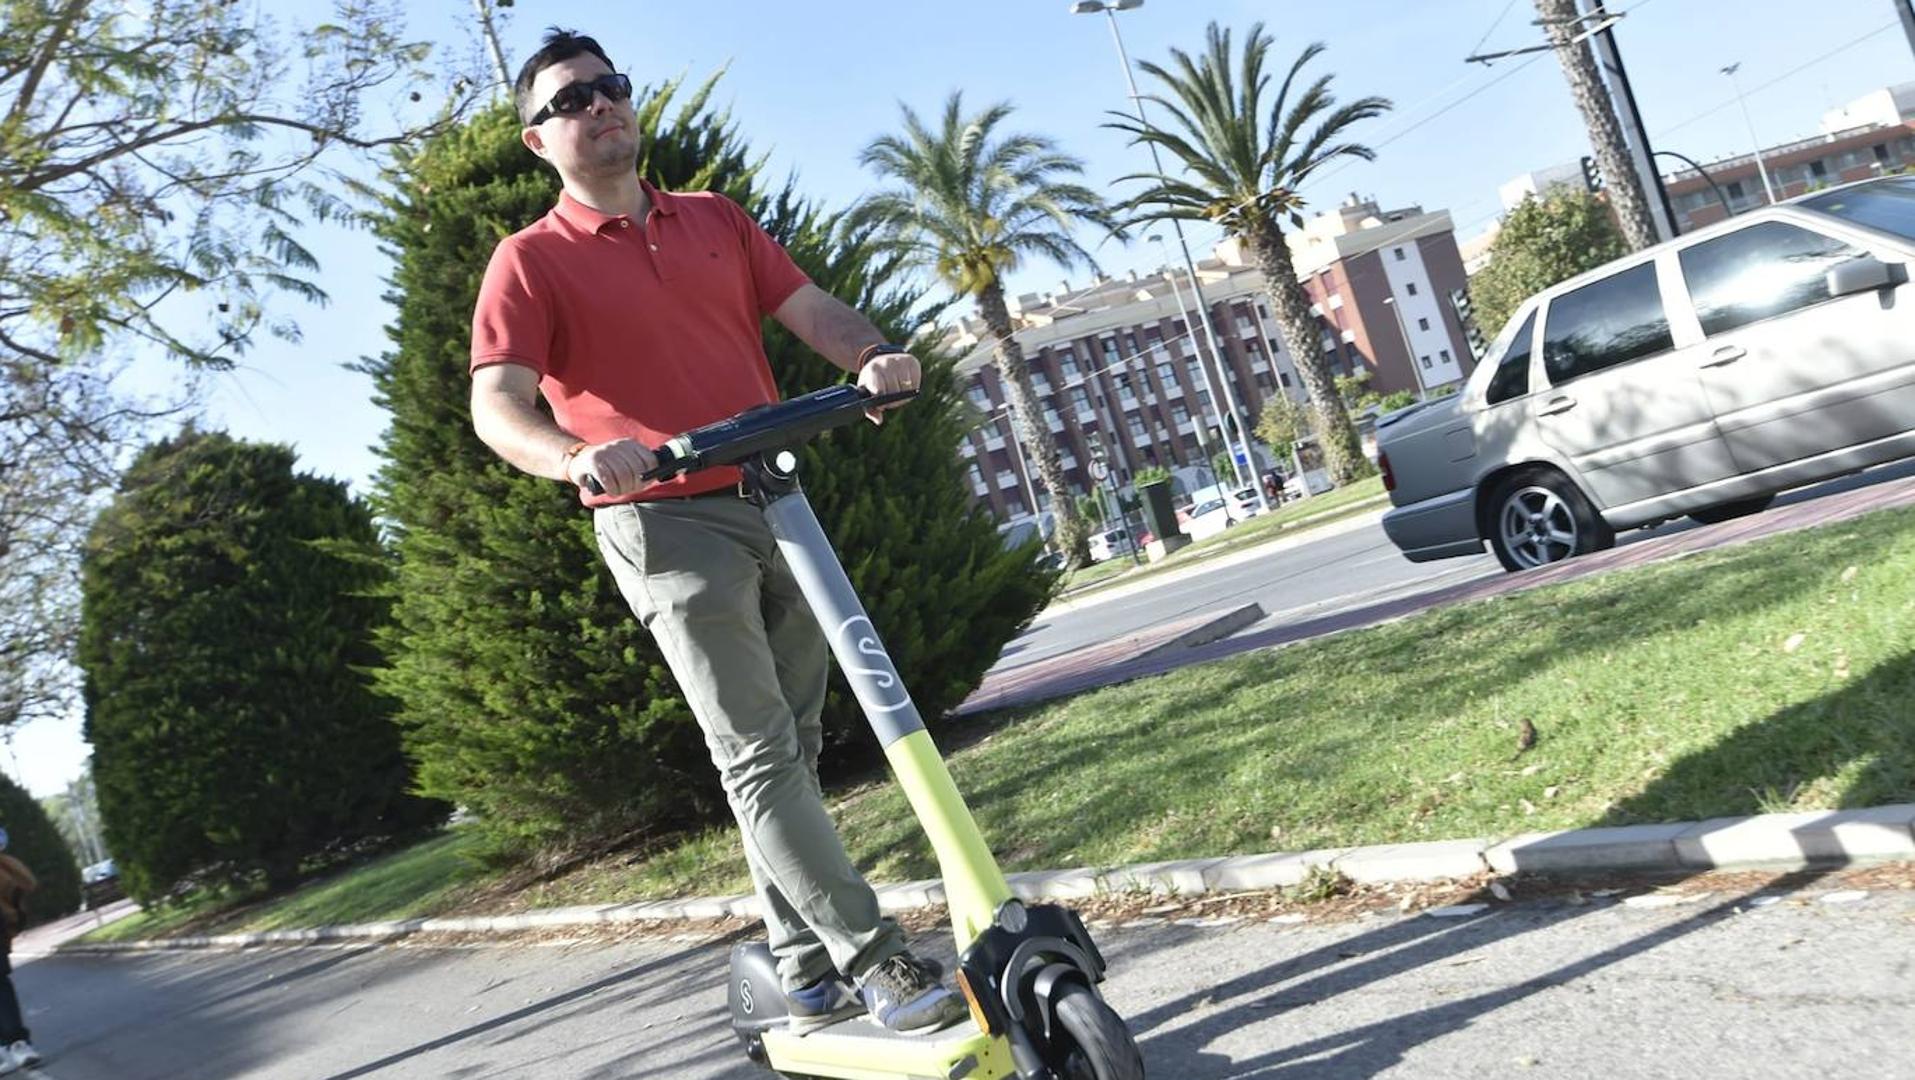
577	96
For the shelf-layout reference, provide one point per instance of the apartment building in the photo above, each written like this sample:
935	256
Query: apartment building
1117	367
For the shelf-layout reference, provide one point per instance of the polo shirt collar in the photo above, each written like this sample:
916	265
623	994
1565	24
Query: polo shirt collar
594	221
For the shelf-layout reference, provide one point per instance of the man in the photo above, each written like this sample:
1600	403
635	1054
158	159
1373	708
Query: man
636	314
16	881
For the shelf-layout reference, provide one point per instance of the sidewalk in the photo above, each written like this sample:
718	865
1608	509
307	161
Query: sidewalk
1768	841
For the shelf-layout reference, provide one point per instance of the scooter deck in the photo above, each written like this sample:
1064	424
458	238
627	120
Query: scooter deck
857	1049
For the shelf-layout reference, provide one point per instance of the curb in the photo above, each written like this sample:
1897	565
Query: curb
1773	841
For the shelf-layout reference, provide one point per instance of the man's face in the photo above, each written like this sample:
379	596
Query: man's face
599	140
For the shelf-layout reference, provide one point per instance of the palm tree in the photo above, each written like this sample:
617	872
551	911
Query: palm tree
971	204
1243	171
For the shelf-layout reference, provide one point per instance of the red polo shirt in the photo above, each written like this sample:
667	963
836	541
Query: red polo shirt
638	331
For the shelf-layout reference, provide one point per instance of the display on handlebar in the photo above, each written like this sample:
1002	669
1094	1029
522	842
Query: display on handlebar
762	428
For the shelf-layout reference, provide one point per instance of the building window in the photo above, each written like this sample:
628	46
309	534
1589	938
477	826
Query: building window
1067	364
1445	354
1422	324
1735	189
1137	427
1080	398
1284	376
1180	414
1110	351
1411	286
1399	255
1167	374
1818	168
1881	152
1426	361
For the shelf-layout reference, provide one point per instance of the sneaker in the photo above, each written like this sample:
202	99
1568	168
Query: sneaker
821	1004
903	994
24	1054
7	1062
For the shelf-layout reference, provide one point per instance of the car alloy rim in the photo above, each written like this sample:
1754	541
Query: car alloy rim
1537	527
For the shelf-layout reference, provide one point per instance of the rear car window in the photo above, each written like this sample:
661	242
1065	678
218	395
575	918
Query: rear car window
1512	371
1759	272
1888	206
1605	323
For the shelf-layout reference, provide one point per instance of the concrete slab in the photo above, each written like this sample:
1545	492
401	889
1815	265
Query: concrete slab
1278	870
1801	839
1627	847
1430	861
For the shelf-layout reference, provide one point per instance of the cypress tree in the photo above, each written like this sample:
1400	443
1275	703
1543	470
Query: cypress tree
33	839
527	691
227	609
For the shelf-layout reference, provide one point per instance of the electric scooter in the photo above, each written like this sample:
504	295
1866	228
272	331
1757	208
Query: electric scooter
1029	973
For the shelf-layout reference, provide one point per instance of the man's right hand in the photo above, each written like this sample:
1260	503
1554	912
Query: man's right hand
618	466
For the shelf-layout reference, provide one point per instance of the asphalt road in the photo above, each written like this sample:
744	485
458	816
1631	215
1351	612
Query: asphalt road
1340	566
1721	988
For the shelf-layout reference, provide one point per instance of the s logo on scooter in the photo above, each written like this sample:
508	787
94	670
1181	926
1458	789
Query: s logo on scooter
879	689
744	995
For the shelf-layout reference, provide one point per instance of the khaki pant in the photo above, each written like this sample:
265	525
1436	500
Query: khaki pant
705	577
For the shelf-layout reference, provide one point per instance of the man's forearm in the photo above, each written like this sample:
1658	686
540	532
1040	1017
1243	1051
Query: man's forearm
833	329
522	434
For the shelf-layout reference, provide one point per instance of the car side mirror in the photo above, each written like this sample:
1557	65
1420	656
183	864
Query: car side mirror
1865	274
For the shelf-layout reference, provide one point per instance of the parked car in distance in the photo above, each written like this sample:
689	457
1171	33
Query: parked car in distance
100	884
1698	377
1203	520
1109	543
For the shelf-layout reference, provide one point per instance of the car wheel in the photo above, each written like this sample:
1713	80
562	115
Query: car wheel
1538	517
1715	515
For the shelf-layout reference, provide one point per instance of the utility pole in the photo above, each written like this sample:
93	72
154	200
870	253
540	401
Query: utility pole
1662	212
1564	26
491	34
1906	9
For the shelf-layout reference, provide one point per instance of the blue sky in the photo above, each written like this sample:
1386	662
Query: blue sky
812	83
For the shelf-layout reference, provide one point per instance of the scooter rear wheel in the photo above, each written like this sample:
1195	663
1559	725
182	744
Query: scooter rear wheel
1093	1044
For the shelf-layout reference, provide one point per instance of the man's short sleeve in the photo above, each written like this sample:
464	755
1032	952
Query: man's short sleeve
774	277
512	322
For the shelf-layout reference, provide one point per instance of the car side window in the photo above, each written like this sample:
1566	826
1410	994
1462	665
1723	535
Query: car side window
1512	371
1605	323
1759	272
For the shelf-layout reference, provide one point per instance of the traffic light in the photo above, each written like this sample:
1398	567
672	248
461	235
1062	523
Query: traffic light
1592	175
1466	317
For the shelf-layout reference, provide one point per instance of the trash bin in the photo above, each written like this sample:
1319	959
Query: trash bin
1161	518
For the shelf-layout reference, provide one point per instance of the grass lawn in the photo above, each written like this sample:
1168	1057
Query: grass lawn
419	880
1773	676
1320	510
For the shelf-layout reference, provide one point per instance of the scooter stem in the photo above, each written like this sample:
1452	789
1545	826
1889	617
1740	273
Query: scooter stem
974	886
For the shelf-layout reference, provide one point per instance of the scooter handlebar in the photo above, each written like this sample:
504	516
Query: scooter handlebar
776	426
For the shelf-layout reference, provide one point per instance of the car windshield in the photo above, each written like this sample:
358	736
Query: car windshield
1888	206
1206	507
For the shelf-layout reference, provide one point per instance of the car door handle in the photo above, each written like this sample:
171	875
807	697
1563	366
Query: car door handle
1556	405
1728	354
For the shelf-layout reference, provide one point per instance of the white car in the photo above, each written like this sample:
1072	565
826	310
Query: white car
1108	544
1700	377
1206	519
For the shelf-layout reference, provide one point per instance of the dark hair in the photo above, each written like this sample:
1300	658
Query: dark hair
558	47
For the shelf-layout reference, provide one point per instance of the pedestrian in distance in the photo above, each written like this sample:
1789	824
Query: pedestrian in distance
16	881
636	314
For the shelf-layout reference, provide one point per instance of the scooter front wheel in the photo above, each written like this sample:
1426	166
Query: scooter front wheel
1092	1042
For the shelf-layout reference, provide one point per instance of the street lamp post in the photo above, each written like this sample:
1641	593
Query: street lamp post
1024	469
1403	329
1110	8
1767	187
1203	369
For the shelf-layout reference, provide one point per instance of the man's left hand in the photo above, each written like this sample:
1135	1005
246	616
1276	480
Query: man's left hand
889	373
